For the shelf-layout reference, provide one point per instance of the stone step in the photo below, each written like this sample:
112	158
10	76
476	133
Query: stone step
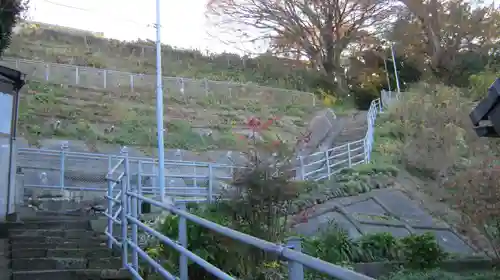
88	253
76	274
68	233
55	239
28	264
19	243
51	224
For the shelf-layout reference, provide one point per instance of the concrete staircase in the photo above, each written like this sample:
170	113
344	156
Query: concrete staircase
58	247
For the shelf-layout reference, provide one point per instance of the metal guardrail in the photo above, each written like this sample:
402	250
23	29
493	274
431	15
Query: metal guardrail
129	199
126	190
179	87
79	171
322	165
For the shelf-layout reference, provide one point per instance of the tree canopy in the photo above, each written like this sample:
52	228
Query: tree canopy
346	42
10	13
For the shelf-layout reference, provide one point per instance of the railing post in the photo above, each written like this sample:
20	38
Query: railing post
131	82
295	269
135	215
328	168
105	78
183	261
349	154
139	187
123	215
64	147
210	183
302	168
77	76
109	211
47	72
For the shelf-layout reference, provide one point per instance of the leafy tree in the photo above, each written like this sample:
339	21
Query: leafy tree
319	31
10	13
437	34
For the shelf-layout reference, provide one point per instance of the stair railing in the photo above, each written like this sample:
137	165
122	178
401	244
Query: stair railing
114	180
324	164
130	198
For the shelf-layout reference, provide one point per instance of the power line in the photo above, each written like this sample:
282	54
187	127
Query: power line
96	12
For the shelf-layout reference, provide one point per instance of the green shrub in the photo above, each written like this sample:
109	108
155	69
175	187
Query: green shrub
379	247
479	84
422	251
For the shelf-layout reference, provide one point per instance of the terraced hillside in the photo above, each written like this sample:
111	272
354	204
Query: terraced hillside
128	118
85	87
77	47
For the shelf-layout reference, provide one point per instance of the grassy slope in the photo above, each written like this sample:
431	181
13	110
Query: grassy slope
76	47
128	118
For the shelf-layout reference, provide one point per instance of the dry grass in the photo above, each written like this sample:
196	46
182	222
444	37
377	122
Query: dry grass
49	110
431	135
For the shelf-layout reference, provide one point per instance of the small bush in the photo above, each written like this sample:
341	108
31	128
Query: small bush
422	251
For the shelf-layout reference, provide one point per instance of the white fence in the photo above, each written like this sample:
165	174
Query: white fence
179	87
324	164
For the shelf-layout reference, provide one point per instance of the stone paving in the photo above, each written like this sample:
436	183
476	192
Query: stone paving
384	210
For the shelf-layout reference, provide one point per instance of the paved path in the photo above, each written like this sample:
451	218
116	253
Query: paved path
384	210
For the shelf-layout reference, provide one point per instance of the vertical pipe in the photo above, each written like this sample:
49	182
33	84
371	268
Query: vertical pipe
210	183
159	106
387	75
123	217
295	269
64	146
395	68
110	202
183	261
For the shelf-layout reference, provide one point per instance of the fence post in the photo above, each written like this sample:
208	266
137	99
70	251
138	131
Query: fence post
327	161
123	215
302	169
295	269
47	72
64	147
131	82
210	183
77	76
183	261
205	83
349	154
109	211
105	78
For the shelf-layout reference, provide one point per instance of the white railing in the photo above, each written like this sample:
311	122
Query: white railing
322	165
178	87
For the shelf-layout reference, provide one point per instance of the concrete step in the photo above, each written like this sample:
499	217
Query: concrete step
58	244
75	274
55	239
68	233
51	224
29	264
87	253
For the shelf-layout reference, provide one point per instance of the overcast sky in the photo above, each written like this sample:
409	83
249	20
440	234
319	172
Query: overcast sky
183	22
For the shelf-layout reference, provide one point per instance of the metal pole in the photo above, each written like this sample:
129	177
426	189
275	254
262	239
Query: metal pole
395	69
387	74
159	107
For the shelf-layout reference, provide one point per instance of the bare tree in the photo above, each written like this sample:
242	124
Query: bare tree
317	30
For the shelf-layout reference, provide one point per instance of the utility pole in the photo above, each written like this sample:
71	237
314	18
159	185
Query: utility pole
395	68
159	107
